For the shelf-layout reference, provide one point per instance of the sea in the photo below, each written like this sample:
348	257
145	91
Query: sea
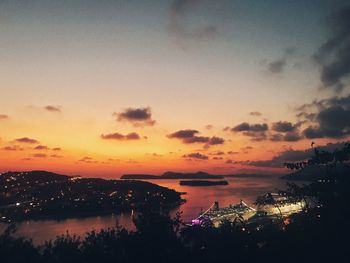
198	198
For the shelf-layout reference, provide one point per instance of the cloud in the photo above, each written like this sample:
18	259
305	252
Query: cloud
284	126
257	132
256	136
250	127
279	160
197	155
306	116
216	140
291	155
183	134
182	30
334	55
255	113
157	155
41	147
87	159
229	161
56	156
333	122
27	140
121	137
247	148
39	155
217	153
286	131
56	149
277	137
12	148
331	118
287	137
232	152
3	117
137	116
189	136
52	108
278	66
209	126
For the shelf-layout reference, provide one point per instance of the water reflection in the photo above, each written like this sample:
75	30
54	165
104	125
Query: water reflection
198	198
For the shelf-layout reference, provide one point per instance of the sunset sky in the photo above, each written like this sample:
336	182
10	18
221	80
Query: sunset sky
103	88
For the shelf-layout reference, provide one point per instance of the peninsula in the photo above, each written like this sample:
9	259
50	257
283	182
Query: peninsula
42	194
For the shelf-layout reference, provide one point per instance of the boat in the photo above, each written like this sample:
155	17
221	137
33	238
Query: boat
275	206
216	215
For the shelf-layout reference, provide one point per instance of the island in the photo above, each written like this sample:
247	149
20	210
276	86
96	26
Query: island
202	182
42	194
172	175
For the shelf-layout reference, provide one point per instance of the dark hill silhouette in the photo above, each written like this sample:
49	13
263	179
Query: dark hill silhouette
173	175
37	175
42	194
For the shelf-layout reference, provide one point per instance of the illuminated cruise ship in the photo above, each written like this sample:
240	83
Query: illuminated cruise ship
215	215
278	206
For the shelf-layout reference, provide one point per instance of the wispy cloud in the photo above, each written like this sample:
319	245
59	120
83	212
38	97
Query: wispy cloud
121	137
52	108
279	65
56	156
56	149
87	159
39	155
255	113
41	147
181	30
12	148
3	117
27	140
196	155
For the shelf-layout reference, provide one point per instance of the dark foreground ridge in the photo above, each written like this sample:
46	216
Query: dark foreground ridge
202	182
172	175
41	194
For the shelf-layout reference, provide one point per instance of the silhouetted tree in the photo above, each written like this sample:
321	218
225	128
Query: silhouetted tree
16	250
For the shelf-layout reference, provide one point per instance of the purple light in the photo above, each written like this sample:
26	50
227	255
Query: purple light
196	222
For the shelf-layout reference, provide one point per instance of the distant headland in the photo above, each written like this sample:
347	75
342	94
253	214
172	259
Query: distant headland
172	175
